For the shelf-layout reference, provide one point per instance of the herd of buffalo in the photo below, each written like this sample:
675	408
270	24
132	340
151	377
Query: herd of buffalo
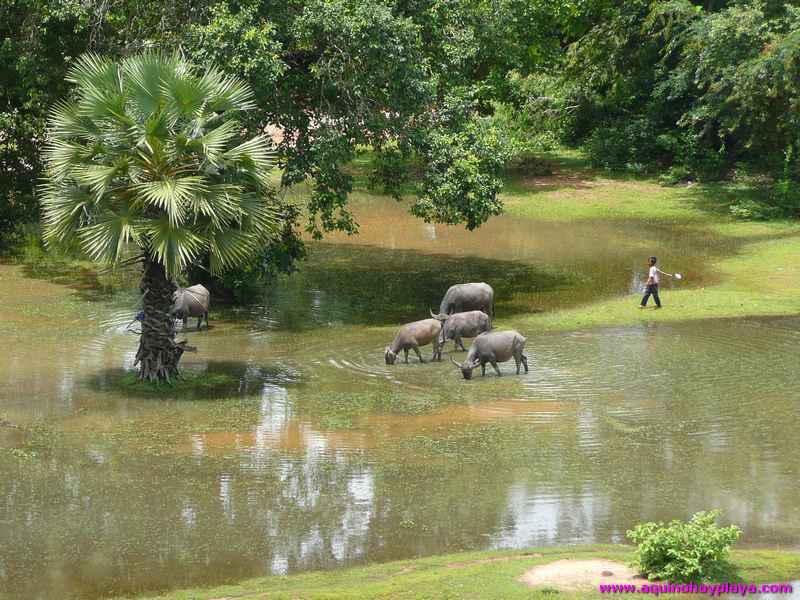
466	311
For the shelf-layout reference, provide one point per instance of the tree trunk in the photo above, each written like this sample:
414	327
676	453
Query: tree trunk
158	353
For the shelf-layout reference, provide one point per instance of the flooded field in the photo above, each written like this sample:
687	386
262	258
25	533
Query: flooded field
318	455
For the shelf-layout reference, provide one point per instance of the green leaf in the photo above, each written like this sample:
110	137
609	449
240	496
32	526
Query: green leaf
107	238
173	247
172	195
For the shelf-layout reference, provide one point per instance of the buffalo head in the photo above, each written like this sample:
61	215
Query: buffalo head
466	367
389	356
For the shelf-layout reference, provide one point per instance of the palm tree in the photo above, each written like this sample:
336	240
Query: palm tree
149	155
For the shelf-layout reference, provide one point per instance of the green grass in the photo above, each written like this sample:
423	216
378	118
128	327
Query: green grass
492	574
762	279
190	384
575	191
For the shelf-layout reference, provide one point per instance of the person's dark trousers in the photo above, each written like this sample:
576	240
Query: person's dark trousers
651	289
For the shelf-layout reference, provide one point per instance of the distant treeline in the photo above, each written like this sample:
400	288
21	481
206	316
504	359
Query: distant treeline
689	90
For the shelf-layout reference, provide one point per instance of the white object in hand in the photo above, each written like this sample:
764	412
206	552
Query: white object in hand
678	276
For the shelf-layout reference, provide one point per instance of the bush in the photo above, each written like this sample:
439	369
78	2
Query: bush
626	145
684	552
752	210
674	176
781	200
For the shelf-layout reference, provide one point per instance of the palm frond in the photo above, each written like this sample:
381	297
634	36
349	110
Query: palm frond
226	93
172	195
173	247
64	210
62	156
254	154
230	247
106	239
101	88
67	122
92	71
214	143
96	177
258	214
144	76
186	94
220	204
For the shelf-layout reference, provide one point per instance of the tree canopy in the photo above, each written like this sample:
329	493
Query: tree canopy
151	153
705	86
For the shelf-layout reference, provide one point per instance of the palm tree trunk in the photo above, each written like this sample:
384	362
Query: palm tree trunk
158	353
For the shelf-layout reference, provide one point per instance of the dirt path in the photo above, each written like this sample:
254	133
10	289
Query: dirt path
579	575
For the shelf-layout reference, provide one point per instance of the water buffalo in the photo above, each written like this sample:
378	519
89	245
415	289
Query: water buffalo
468	296
191	302
413	335
494	347
462	325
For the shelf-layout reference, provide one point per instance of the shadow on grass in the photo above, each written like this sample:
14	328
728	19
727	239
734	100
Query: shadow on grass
215	380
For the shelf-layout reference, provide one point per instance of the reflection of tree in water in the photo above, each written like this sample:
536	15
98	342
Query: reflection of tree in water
104	521
364	285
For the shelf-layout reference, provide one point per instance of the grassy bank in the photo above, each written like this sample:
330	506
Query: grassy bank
761	279
491	574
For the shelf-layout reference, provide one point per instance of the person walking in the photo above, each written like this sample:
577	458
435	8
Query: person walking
652	283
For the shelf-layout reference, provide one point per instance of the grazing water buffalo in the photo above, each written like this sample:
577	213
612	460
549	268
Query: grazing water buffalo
468	296
494	347
412	336
191	302
462	325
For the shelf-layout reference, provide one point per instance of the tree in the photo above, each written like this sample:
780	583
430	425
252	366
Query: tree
704	85
338	75
334	76
150	154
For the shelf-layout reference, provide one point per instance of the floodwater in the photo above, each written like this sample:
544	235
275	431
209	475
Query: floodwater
318	455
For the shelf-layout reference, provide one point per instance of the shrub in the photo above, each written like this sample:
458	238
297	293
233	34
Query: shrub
786	192
624	145
682	552
752	210
675	175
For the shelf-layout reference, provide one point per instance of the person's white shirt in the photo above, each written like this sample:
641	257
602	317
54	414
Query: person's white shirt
654	274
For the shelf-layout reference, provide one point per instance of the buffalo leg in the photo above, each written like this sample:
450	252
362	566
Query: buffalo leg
518	361
199	322
405	352
496	368
483	369
525	362
185	321
460	343
419	354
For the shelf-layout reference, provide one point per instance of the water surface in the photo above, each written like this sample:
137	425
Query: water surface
322	456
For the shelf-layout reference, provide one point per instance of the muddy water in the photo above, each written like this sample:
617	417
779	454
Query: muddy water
319	455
